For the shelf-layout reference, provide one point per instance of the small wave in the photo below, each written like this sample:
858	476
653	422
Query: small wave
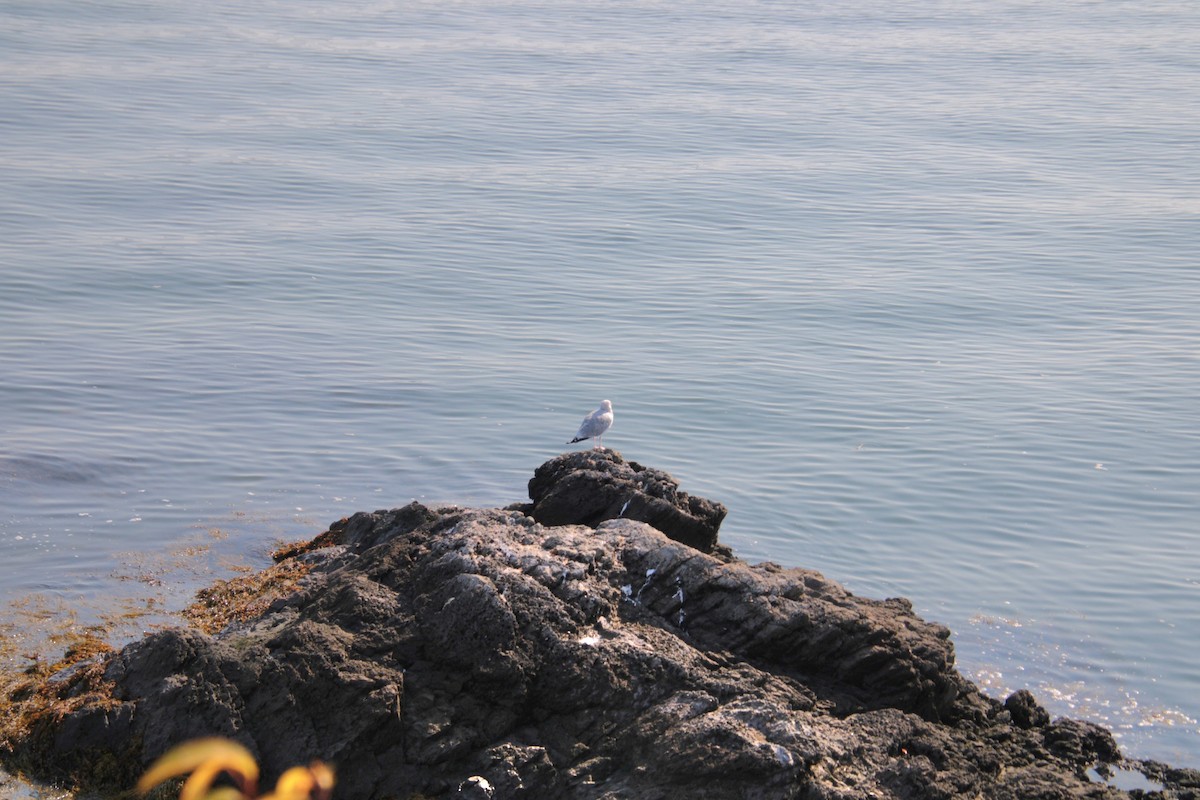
45	468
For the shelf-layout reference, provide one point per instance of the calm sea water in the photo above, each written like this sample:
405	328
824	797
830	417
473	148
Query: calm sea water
911	287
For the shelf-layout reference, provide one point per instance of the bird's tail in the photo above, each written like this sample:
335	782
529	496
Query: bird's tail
577	439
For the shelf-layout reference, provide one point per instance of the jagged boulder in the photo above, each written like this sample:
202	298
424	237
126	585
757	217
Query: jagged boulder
479	653
591	486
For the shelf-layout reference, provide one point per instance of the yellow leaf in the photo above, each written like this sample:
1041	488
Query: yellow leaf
295	784
298	783
323	776
206	757
225	793
197	786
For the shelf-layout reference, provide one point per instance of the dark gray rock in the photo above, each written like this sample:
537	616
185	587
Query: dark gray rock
477	653
1025	711
1081	742
591	486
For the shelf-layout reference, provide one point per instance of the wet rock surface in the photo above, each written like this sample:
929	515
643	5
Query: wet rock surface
449	652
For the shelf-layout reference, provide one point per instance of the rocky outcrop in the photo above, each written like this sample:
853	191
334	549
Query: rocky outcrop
589	487
481	653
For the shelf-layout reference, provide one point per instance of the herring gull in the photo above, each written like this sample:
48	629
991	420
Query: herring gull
595	424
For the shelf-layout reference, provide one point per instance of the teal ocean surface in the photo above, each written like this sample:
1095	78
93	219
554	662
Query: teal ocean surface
912	288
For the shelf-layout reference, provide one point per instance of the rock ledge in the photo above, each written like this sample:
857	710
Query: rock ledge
446	652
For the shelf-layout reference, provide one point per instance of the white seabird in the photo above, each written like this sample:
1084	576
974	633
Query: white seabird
595	424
